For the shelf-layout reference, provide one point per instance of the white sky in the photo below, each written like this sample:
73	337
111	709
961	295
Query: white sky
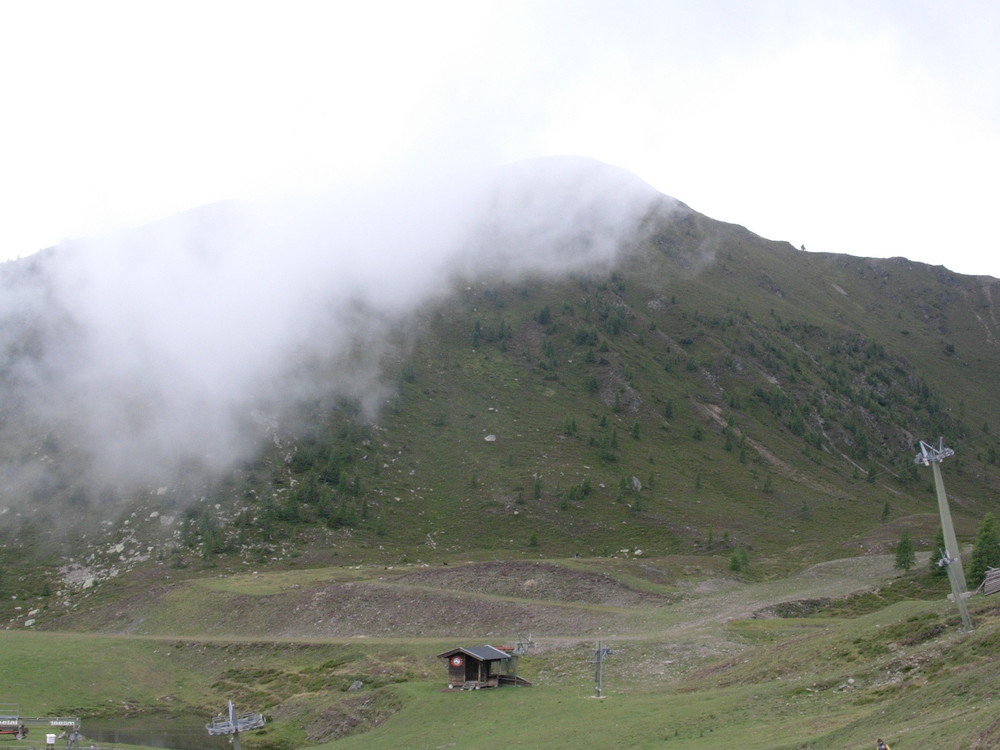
868	128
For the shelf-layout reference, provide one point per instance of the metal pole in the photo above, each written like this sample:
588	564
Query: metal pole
952	560
952	549
953	553
957	590
600	665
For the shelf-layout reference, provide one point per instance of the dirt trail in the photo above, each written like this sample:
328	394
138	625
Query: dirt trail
475	601
670	642
720	601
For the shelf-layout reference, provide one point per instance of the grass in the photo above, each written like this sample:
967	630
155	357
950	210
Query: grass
786	692
697	672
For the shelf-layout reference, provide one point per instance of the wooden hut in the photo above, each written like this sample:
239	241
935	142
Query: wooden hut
481	667
991	583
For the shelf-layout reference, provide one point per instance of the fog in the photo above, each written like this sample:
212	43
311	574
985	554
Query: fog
177	344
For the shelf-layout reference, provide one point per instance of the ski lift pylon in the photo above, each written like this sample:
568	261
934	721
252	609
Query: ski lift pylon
233	723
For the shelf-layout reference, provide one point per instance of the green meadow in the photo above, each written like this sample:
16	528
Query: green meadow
790	662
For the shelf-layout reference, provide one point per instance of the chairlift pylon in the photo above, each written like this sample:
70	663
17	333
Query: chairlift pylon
232	723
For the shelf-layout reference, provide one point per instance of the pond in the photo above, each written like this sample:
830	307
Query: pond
184	732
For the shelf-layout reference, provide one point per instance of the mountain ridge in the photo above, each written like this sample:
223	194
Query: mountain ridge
800	380
698	448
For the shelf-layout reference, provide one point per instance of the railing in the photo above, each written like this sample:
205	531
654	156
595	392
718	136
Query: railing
40	721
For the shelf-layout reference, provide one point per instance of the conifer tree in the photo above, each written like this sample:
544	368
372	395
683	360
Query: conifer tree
739	560
906	558
986	550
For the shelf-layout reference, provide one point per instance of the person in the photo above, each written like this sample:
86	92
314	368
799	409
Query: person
880	745
73	741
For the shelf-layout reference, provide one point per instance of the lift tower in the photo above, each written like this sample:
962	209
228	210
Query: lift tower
951	555
232	723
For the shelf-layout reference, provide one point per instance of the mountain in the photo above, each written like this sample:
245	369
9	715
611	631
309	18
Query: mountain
287	454
557	361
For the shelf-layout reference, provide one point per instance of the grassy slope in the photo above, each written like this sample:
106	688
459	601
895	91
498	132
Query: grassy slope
698	672
755	398
714	389
761	397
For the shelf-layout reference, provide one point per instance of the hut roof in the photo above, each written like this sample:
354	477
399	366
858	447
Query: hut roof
480	653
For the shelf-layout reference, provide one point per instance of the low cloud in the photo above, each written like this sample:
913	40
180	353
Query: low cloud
168	345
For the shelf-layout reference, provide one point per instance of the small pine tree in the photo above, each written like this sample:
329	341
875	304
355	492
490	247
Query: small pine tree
871	473
739	560
906	558
985	551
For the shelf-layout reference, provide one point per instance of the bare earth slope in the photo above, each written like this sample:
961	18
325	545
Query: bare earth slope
476	600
